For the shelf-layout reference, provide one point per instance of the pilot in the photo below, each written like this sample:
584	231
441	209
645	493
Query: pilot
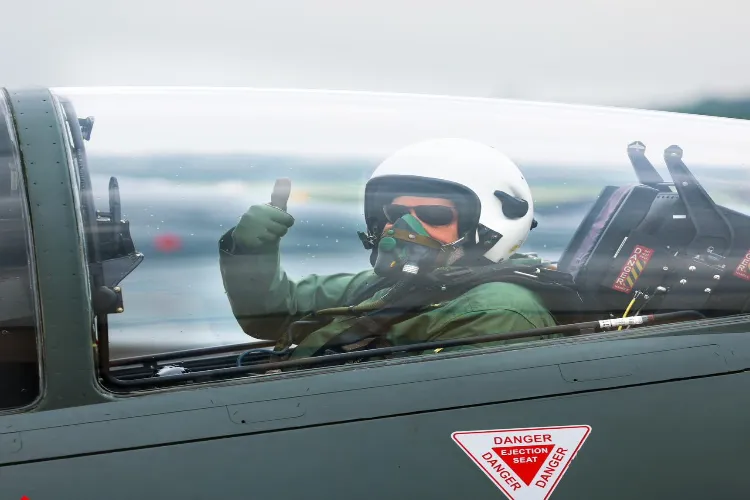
431	208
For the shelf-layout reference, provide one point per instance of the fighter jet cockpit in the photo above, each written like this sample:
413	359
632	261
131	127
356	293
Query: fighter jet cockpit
256	233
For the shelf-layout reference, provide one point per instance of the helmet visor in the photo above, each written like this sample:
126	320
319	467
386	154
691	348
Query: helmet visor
433	215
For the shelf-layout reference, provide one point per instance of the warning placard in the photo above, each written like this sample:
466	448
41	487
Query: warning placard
526	464
743	268
632	269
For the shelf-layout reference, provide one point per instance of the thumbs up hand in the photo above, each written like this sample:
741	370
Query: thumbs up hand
265	224
280	195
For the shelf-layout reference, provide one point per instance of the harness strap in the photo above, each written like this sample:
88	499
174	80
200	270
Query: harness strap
556	289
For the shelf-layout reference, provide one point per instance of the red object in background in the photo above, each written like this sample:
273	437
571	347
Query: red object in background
168	243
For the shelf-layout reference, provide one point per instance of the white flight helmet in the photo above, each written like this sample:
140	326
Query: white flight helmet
494	202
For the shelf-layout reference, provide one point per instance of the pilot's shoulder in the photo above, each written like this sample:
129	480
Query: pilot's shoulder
501	305
499	296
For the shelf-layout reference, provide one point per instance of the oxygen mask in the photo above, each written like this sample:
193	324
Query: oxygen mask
407	247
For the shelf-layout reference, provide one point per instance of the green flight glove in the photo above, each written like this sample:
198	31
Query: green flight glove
265	224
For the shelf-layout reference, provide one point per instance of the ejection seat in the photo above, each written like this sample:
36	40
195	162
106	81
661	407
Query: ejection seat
644	248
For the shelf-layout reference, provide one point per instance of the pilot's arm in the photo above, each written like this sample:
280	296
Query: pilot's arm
261	295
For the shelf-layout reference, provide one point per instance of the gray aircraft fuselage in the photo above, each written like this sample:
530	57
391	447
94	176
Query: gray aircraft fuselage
668	410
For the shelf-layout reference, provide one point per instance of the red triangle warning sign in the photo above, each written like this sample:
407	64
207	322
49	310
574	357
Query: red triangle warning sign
526	464
525	461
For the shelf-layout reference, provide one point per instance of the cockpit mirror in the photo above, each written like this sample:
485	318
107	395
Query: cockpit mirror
87	125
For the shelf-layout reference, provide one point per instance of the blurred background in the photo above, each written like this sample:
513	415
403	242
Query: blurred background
663	55
659	54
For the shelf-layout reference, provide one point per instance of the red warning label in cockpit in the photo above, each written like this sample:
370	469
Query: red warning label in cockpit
632	269
525	463
743	268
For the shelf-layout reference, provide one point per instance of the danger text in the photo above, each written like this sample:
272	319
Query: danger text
526	439
551	467
502	471
743	268
632	269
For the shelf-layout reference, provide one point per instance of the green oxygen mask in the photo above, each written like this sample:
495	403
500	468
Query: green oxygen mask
406	248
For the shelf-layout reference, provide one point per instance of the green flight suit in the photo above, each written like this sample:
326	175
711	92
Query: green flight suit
262	298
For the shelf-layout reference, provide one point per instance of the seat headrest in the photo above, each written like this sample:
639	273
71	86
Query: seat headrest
615	213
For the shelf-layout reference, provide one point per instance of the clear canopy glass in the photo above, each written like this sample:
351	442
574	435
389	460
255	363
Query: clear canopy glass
190	162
